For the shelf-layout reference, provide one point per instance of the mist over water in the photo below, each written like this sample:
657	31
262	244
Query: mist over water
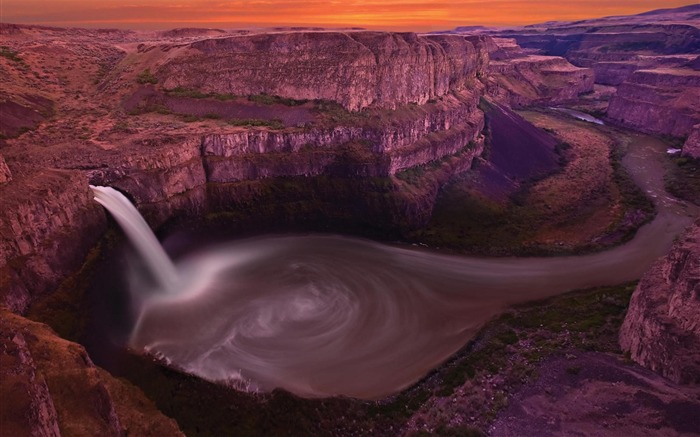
323	315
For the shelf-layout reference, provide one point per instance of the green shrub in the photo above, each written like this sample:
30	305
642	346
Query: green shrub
10	54
146	77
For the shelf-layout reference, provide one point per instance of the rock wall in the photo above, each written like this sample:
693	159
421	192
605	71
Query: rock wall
49	222
5	173
534	79
659	101
174	176
51	388
355	69
662	328
691	147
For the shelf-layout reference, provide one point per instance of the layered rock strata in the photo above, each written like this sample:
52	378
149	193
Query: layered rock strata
46	229
659	101
661	329
51	387
536	79
355	69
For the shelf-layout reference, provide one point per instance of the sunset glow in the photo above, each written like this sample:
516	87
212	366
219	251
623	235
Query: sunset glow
374	14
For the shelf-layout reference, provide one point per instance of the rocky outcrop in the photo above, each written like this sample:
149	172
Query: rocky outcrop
662	330
659	101
5	173
691	147
51	387
46	229
355	69
535	79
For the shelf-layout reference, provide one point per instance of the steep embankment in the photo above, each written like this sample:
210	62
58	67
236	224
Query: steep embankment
661	329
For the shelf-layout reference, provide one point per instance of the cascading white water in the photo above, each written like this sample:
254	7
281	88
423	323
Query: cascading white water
139	233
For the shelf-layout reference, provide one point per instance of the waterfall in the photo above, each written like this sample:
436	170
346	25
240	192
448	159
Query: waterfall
139	233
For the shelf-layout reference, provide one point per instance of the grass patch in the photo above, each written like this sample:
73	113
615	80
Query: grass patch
257	122
516	342
196	94
10	54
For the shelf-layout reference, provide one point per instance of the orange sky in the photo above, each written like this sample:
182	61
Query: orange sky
418	15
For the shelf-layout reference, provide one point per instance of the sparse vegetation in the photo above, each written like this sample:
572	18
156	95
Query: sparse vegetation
146	77
266	99
10	54
256	122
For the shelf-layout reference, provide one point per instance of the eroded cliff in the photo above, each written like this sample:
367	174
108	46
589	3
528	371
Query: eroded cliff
50	387
660	101
661	329
355	69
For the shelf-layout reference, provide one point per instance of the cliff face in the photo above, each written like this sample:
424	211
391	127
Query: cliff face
659	101
520	78
46	229
355	69
180	174
661	330
691	147
51	387
538	79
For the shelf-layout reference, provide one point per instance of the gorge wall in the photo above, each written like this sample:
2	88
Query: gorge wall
661	329
51	387
659	101
355	69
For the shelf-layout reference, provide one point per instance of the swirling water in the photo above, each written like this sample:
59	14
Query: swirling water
323	315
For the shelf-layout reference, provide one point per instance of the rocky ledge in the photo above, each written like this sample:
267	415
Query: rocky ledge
661	329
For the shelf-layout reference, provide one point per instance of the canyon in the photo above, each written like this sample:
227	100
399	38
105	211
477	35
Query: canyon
366	133
648	59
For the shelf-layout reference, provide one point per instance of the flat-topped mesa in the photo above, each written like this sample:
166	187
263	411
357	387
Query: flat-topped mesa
354	69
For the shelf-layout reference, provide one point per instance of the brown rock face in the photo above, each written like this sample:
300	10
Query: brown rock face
50	387
659	101
355	69
46	229
662	328
5	173
518	78
691	147
538	79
